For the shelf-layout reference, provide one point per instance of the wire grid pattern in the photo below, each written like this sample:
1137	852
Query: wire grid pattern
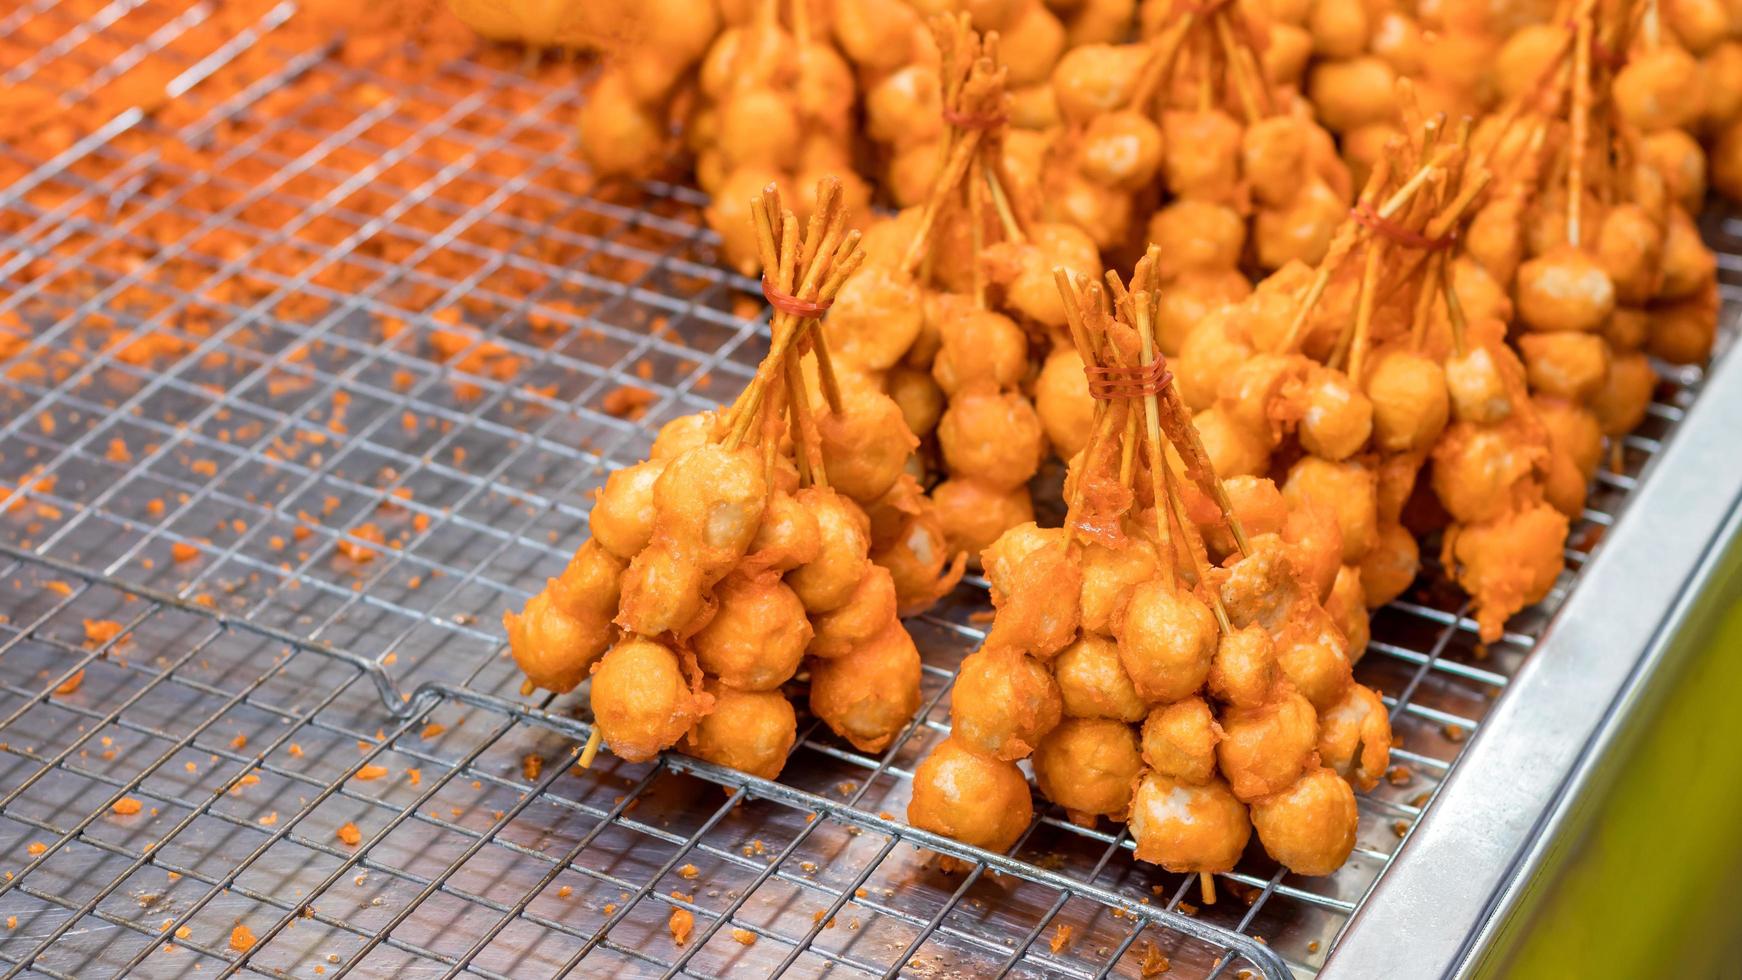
239	697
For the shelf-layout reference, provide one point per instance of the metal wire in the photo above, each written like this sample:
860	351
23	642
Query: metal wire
331	751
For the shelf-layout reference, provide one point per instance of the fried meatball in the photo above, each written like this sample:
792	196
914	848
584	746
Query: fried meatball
622	516
1179	741
991	436
1003	703
1037	598
1572	429
1391	566
1244	671
1166	642
866	446
1233	449
1256	503
968	797
1564	289
553	648
1410	403
641	700
1507	563
1310	827
757	636
1348	489
1620	405
1314	541
979	349
750	731
1347	607
1109	575
1095	79
1355	737
1089	766
1191	297
868	695
1477	387
875	318
920	399
664	591
1061	397
1092	682
1186	828
1479	468
871	607
1201	153
1338	418
1120	150
1197	234
787	538
1314	655
1265	749
974	514
1265	585
827	581
1566	364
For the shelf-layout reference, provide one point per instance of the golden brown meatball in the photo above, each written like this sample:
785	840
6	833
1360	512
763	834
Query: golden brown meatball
1314	655
1197	234
641	700
1566	365
1166	642
1003	703
1564	289
980	349
1621	404
875	318
1348	489
973	514
1391	566
1353	93
622	516
1355	737
1573	430
1179	741
1233	449
1037	597
1508	563
750	731
993	437
1479	468
1211	351
1256	503
1684	332
1061	397
1089	766
1347	607
1273	158
868	695
1265	749
829	580
551	647
871	607
919	397
1410	403
1310	827
866	446
787	538
969	797
1092	682
1191	297
1201	153
664	591
1314	541
757	635
1301	230
1630	246
1120	150
1338	418
1187	828
1109	575
1244	672
1659	89
619	137
1095	79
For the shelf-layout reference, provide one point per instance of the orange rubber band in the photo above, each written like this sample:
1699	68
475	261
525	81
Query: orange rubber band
792	305
973	120
1379	225
1135	381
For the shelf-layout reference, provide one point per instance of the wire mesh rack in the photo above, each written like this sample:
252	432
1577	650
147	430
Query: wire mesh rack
287	425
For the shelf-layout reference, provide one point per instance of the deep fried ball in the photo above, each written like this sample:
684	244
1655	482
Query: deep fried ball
641	700
866	445
969	797
979	349
875	318
1179	741
1211	351
1264	586
993	437
1630	246
1186	828
1191	297
1348	489
1256	503
787	538
622	516
1095	79
1166	642
1310	827
1003	703
1244	672
1265	749
1338	418
1478	468
1477	386
1197	234
664	591
974	514
1109	575
757	636
1572	429
619	136
1234	449
1120	150
871	608
1564	289
1314	655
1410	403
1620	405
1036	596
1273	158
750	731
828	581
1089	766
1508	563
1566	364
1355	737
1353	93
920	562
1061	397
551	647
1314	540
1201	153
1092	682
868	695
919	397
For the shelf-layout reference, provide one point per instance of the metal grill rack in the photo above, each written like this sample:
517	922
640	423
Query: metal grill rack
314	713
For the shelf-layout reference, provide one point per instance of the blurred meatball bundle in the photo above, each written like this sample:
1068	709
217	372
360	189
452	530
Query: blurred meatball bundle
1145	681
719	564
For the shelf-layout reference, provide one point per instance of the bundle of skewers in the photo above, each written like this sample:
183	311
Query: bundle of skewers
1146	681
719	565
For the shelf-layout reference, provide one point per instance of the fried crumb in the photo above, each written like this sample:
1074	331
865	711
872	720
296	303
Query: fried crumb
681	923
350	834
126	806
530	766
743	937
100	631
72	683
371	772
241	938
1154	962
182	551
627	402
688	872
1061	938
564	892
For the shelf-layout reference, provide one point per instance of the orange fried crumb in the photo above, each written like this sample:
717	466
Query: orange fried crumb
359	552
682	922
350	834
126	806
1061	938
431	730
743	937
72	683
628	402
370	772
182	551
531	766
241	938
100	631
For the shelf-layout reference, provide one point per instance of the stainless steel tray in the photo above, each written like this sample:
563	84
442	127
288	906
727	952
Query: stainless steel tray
299	667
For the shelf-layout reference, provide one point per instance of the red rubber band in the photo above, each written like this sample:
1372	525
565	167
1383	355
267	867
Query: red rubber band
973	120
1385	227
790	304
1198	7
1134	381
